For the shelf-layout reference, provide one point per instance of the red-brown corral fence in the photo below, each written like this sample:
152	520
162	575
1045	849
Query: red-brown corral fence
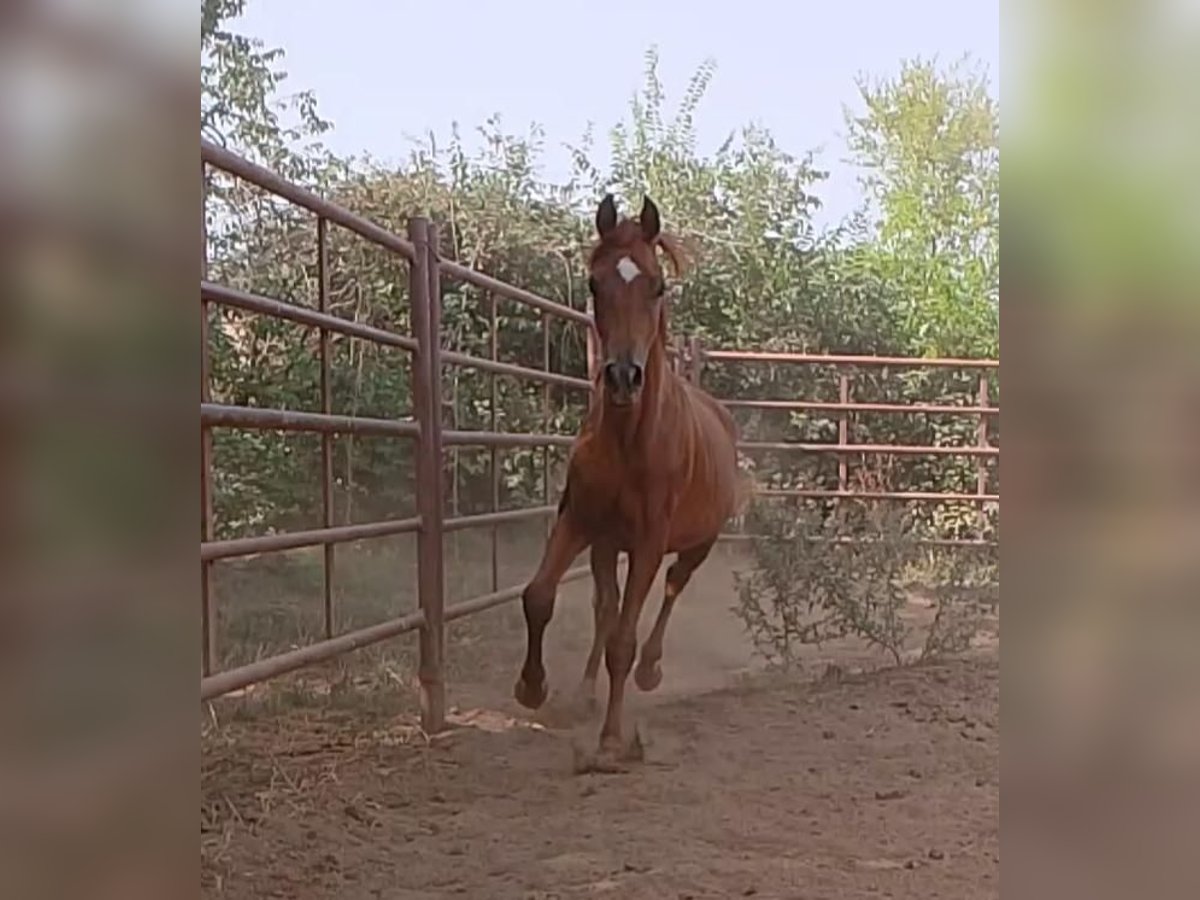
427	270
841	373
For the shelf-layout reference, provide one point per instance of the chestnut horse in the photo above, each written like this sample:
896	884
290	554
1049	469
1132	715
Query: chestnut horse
653	471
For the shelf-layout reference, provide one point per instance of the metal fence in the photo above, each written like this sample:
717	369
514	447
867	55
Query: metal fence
426	273
981	411
427	270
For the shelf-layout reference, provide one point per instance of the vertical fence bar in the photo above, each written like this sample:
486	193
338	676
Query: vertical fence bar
494	330
843	429
326	407
426	378
435	627
208	655
981	439
546	418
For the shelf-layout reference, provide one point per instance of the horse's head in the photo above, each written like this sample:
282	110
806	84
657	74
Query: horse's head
628	289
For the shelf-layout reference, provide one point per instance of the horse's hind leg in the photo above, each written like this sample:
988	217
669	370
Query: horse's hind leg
648	673
564	544
606	598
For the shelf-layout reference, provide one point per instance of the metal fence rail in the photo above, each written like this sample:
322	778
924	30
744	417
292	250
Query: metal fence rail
426	270
981	410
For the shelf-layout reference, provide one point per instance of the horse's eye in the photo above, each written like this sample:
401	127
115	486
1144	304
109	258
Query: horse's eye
592	285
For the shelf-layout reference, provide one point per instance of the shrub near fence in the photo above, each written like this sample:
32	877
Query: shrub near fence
846	529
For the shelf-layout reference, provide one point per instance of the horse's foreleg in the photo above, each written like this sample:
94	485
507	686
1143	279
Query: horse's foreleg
606	600
648	674
622	640
565	543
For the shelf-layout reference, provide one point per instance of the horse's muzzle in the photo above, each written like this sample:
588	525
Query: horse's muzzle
623	379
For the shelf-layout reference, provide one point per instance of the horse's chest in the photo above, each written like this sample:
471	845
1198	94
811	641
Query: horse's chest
615	502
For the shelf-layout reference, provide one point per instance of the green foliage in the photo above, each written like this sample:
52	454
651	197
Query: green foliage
240	103
765	276
746	210
808	588
928	143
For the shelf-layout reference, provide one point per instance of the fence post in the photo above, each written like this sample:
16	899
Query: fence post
425	297
493	426
981	440
208	619
843	431
326	408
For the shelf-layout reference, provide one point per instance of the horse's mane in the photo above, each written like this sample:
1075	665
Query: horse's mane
676	252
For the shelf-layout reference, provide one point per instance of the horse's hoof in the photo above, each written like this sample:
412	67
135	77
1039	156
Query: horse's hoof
530	696
614	756
647	678
603	762
609	759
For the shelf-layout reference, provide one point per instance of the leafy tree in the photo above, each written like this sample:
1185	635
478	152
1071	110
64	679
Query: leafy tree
928	144
240	102
746	210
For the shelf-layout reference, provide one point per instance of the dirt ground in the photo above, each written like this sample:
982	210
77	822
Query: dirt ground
841	781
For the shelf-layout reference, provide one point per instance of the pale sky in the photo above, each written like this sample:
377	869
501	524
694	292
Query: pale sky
386	72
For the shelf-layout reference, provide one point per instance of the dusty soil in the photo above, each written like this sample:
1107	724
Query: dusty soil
834	784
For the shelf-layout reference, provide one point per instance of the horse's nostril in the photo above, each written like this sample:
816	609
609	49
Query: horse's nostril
623	376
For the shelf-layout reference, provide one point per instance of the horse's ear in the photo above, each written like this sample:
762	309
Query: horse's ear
651	223
606	216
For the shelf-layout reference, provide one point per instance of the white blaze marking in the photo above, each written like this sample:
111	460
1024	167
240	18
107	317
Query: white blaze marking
628	269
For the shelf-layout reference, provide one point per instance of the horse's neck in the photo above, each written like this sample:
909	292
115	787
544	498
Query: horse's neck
637	427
